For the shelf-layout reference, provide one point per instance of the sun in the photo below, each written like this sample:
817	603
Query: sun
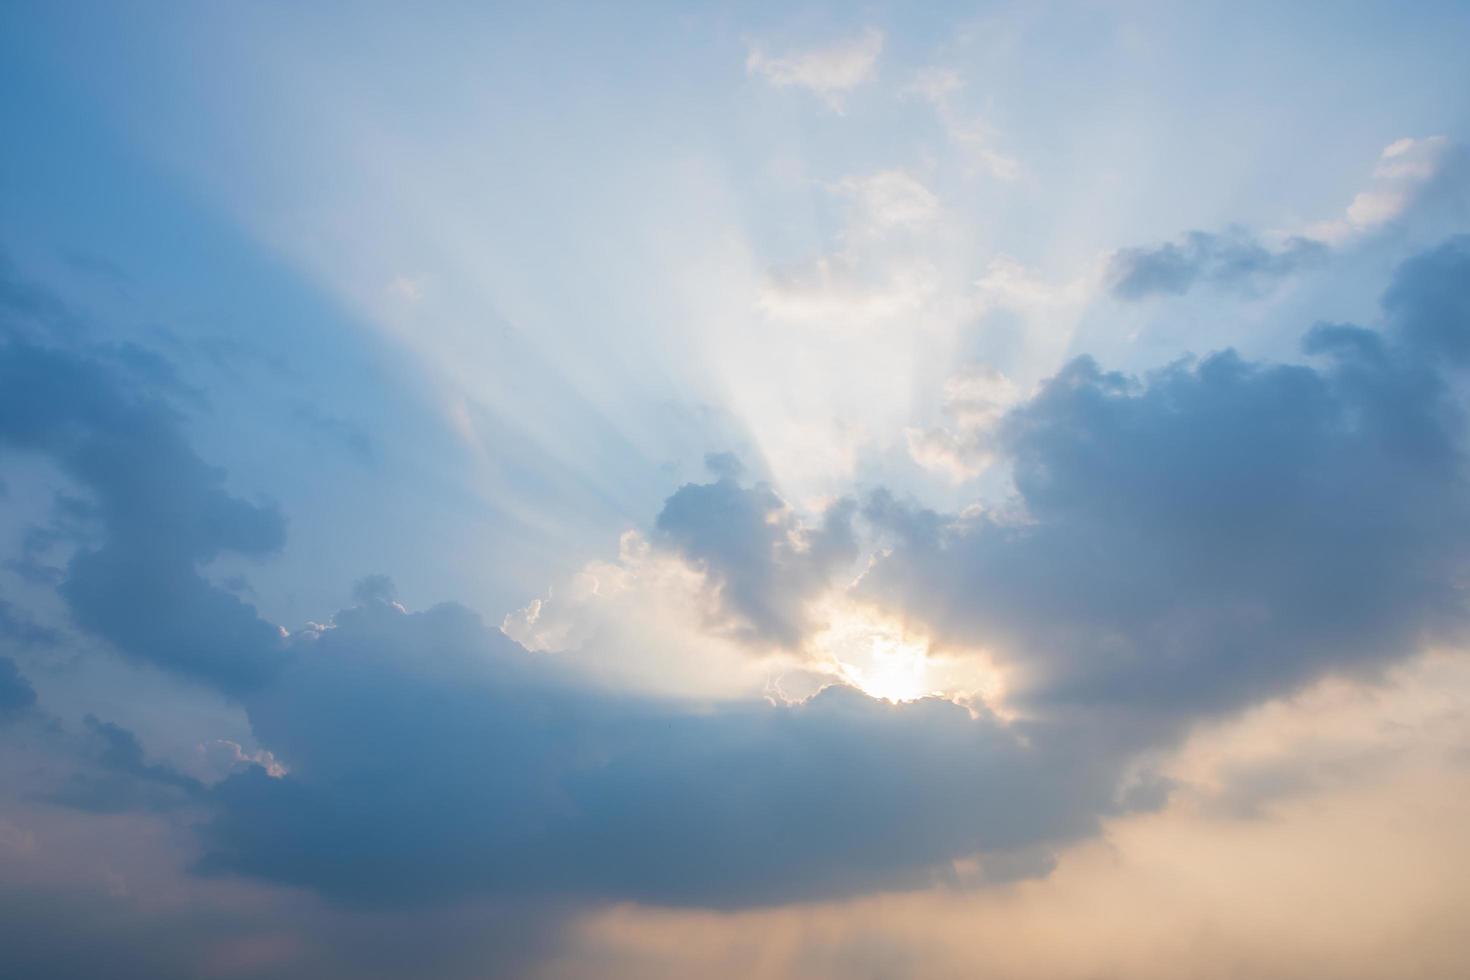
875	655
885	658
895	670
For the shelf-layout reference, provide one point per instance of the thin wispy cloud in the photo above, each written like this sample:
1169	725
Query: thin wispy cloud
829	70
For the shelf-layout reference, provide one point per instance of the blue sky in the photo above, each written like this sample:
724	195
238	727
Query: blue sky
807	480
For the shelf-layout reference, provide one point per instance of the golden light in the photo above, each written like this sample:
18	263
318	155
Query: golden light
883	658
893	669
873	653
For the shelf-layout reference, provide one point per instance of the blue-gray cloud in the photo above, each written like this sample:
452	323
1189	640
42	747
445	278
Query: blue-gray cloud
1430	302
1234	259
761	561
157	510
16	692
19	629
115	777
433	758
1220	531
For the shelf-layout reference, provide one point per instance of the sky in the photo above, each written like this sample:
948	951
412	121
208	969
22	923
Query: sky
774	491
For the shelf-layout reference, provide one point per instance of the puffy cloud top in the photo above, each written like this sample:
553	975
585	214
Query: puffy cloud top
1221	530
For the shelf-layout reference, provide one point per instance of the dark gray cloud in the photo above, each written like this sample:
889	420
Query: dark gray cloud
761	560
1222	530
431	758
158	510
1233	259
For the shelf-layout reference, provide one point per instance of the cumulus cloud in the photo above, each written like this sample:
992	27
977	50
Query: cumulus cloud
760	561
375	588
430	758
976	396
829	71
1430	302
1219	531
1364	862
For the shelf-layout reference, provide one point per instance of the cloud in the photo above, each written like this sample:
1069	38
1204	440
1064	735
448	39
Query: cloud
1414	176
160	512
1411	174
849	291
974	402
1220	531
971	133
431	758
877	269
887	200
375	588
18	628
977	395
84	895
1182	545
760	561
1430	302
115	777
30	311
1364	863
16	693
829	72
935	84
635	622
1230	260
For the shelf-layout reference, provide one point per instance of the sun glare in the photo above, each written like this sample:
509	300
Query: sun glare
896	670
875	655
878	656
